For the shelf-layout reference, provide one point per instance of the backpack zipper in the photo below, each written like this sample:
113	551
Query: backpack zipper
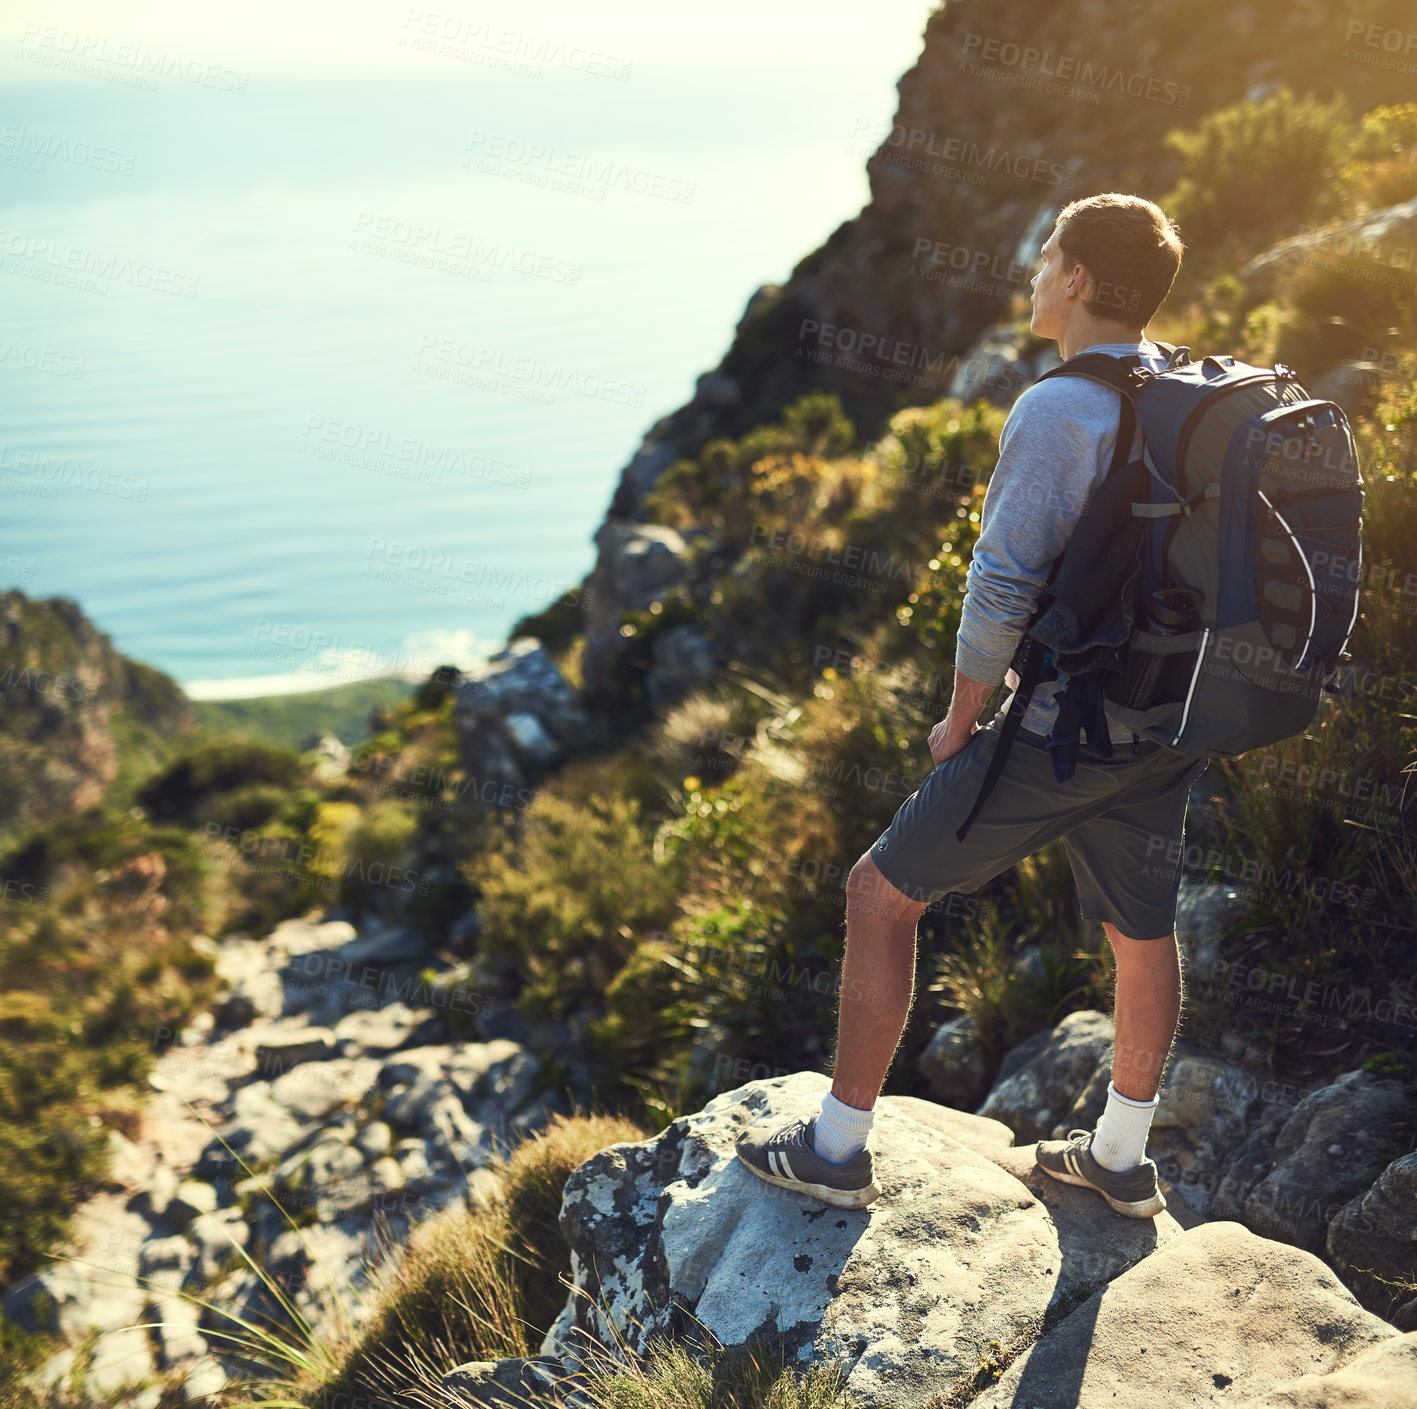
1183	441
1183	444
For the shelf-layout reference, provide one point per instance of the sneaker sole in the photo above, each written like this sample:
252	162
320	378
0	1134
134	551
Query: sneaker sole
838	1198
1141	1208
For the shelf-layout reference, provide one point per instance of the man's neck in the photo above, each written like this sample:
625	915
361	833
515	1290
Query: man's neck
1095	334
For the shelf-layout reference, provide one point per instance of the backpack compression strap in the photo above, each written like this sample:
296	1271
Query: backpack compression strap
1032	655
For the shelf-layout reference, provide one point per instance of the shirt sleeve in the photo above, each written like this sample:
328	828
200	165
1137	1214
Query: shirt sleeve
1055	445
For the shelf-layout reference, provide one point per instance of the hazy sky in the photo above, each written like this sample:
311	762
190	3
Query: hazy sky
311	35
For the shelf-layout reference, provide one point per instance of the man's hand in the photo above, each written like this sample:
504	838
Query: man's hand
956	729
947	739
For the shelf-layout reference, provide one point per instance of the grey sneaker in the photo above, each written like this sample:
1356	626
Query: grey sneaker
787	1158
1133	1192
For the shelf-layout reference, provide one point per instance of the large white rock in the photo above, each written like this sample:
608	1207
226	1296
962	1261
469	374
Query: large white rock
1384	1377
674	1231
1216	1316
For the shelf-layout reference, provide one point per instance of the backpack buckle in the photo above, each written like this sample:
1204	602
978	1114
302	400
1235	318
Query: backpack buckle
1285	373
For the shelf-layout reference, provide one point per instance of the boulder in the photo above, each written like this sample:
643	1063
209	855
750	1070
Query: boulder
513	714
121	1357
533	746
1382	1377
216	1237
955	1065
514	1383
1252	1160
202	1384
1331	1148
177	1330
312	1091
1373	1239
1203	913
636	564
254	995
1034	1093
1366	234
1216	1315
152	1201
674	1233
1203	1113
993	369
974	1132
163	1262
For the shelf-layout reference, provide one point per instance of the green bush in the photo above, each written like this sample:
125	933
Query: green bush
570	887
220	767
1256	171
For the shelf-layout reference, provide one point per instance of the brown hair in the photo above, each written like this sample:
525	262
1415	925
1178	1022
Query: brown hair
1131	249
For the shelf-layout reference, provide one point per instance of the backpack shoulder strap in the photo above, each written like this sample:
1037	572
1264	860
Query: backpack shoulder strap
1123	374
1030	671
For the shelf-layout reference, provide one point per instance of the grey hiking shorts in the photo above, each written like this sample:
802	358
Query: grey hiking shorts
1121	820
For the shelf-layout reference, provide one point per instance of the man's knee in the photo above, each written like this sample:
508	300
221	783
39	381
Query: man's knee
868	890
1139	951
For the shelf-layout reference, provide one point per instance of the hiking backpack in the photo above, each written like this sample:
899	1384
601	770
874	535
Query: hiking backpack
1242	512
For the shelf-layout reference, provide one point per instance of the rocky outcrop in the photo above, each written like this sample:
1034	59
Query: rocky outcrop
61	684
974	1274
1328	1149
674	1233
323	1081
636	565
1373	1243
964	182
515	715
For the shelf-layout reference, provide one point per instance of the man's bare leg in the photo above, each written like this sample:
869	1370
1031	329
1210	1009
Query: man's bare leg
1148	1007
877	983
1148	1004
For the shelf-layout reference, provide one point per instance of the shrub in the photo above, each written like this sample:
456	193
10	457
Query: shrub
571	886
1383	168
223	766
705	1375
1255	171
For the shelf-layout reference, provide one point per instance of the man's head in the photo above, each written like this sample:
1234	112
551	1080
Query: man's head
1107	266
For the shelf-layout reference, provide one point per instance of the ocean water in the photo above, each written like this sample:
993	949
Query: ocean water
334	377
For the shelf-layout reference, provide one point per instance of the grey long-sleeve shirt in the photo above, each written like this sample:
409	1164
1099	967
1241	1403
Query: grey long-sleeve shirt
1054	450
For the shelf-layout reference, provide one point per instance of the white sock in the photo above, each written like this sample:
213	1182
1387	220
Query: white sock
841	1130
1120	1141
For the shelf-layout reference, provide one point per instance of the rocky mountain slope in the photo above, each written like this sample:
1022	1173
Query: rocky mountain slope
63	692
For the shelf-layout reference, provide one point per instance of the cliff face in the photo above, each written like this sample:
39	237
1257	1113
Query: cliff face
1009	113
62	685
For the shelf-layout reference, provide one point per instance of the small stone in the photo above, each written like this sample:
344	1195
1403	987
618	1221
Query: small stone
376	1139
191	1199
308	1044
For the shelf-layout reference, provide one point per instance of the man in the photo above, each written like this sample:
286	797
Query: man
1107	265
